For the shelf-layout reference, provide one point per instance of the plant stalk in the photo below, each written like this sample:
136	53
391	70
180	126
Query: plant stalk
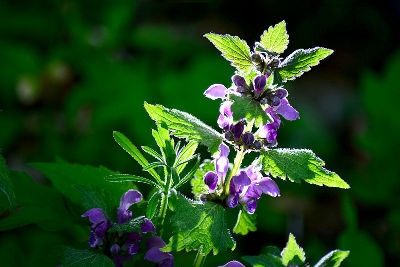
200	259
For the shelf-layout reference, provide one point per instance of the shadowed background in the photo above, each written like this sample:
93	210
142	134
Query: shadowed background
74	71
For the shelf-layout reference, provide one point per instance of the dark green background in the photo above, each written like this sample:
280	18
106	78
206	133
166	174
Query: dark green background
71	72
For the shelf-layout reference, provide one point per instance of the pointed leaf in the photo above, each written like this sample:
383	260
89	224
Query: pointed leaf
199	226
300	164
185	154
332	259
189	175
153	165
184	125
245	223
80	258
276	39
244	107
129	178
153	153
233	49
301	61
153	204
293	254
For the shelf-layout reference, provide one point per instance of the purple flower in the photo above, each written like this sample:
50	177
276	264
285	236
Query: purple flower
215	91
240	83
164	259
99	226
238	129
128	199
259	83
212	179
284	109
225	119
247	187
232	264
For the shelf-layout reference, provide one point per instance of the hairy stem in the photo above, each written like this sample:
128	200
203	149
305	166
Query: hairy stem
200	259
163	211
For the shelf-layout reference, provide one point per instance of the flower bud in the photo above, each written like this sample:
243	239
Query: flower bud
274	63
115	249
248	139
237	130
229	136
281	93
257	58
257	145
274	101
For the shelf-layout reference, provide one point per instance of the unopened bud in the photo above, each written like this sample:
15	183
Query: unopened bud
257	58
237	130
257	145
248	139
281	93
274	63
229	136
274	101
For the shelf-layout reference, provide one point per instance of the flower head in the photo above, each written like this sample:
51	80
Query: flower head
154	254
212	179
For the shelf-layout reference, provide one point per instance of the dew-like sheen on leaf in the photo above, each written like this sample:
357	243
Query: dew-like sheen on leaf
233	49
199	225
185	125
275	39
301	61
300	164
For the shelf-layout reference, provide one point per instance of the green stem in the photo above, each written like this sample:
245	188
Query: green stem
163	211
238	159
200	259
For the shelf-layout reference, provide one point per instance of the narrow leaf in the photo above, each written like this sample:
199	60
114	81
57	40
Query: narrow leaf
300	164
186	152
129	178
153	165
153	204
184	125
276	39
189	175
301	61
332	259
153	153
5	183
293	254
129	147
233	49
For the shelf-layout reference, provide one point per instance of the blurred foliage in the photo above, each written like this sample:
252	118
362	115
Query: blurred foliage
72	72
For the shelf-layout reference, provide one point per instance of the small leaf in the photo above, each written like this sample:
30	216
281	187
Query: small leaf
81	258
153	204
276	39
199	226
189	175
175	176
129	178
244	107
134	225
245	223
129	147
332	259
184	154
153	165
153	153
233	49
301	61
293	254
198	185
300	164
264	260
5	183
184	125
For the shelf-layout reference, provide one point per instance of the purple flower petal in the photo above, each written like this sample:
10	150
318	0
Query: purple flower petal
224	122
237	130
239	81
269	187
251	206
120	259
248	139
225	108
147	226
101	228
241	180
223	150
259	83
233	200
155	255
215	91
94	240
129	198
155	241
95	215
222	162
115	249
281	93
132	243
287	111
232	264
211	180
124	215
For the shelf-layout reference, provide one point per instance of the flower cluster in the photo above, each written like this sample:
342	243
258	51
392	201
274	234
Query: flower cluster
122	246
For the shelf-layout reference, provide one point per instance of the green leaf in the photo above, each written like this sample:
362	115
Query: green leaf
332	259
293	254
153	165
134	225
153	204
129	178
185	154
199	226
85	258
189	175
95	197
198	185
184	125
5	183
245	223
264	260
300	61
129	147
244	107
64	176
276	39
233	49
153	153
298	164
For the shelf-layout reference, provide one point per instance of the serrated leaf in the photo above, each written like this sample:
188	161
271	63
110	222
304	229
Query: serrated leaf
134	225
153	204
244	107
293	254
245	223
5	183
199	226
85	258
95	197
233	49
276	39
198	185
300	164
263	260
301	61
132	150
184	125
332	259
